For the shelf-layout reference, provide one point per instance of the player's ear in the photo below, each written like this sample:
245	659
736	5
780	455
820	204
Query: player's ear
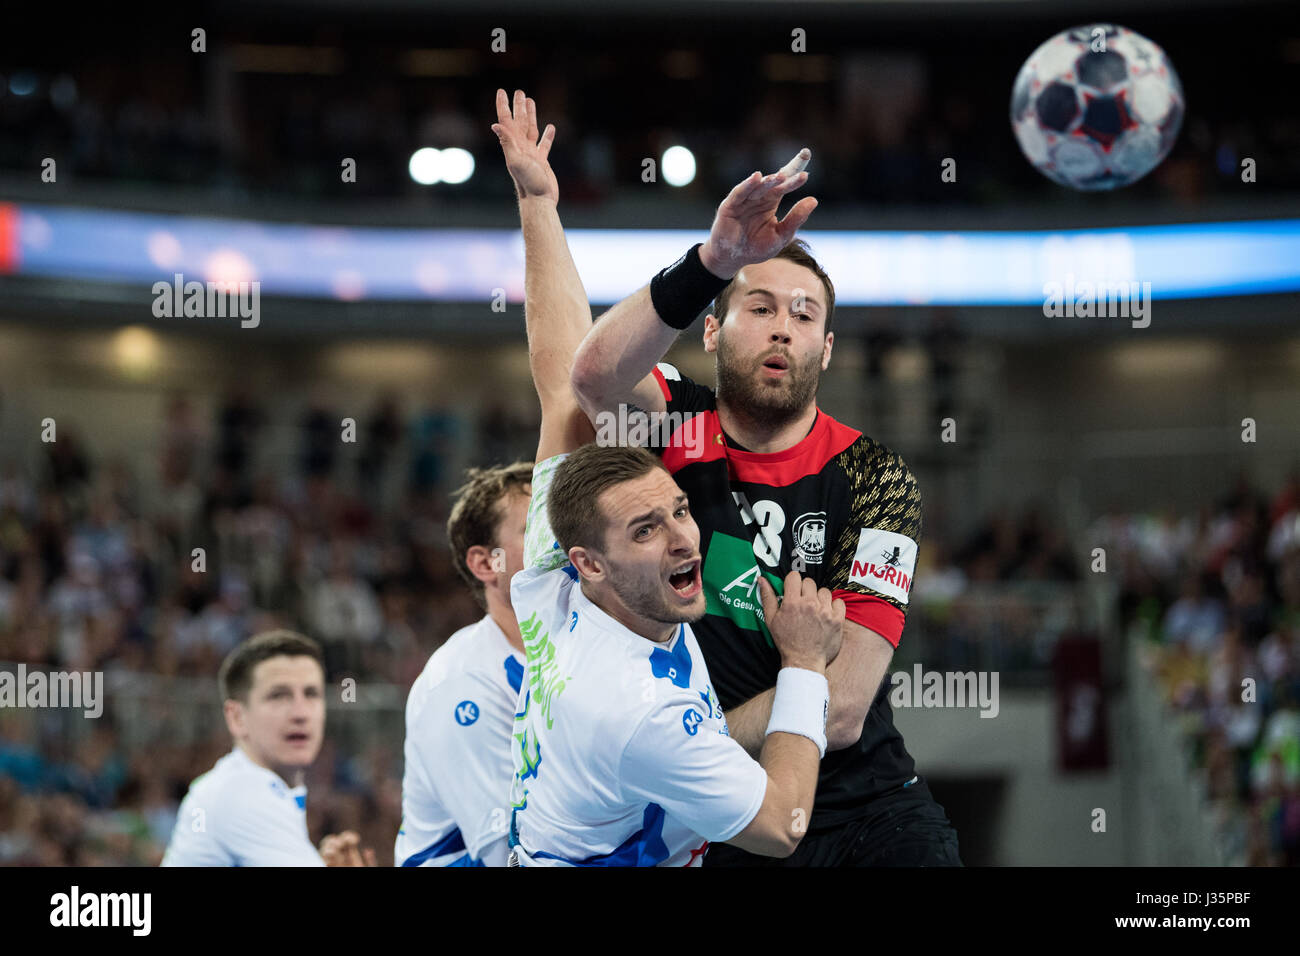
711	329
826	350
479	561
586	564
233	711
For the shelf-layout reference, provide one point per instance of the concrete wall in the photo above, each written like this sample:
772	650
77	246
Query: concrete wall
1044	817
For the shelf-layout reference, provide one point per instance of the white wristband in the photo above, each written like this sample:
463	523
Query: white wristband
801	704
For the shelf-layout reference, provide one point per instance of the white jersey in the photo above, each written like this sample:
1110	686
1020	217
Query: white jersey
621	749
240	814
456	785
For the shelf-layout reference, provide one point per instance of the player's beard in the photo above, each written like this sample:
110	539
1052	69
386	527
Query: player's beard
646	599
773	403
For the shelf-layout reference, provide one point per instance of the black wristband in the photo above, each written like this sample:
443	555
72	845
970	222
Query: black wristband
684	290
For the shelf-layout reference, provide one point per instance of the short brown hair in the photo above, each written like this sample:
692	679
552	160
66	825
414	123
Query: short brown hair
798	253
236	675
580	480
478	511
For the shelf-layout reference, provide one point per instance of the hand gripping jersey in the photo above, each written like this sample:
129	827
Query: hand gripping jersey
621	751
837	507
456	785
240	814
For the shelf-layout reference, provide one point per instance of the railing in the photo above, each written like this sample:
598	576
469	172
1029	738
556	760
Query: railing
1011	628
1174	823
146	710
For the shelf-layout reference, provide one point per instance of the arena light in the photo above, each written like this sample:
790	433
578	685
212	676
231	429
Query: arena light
1186	260
136	350
678	165
425	166
22	84
457	165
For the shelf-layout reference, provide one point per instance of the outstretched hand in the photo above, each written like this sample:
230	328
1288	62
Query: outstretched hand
525	152
746	230
344	849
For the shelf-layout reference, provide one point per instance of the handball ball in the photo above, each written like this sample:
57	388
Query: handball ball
1097	107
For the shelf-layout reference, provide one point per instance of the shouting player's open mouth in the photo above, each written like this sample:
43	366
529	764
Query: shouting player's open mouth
686	580
776	366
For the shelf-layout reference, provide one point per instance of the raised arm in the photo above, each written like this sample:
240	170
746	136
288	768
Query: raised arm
616	359
556	312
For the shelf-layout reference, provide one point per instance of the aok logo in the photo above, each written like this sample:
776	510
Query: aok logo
731	582
748	580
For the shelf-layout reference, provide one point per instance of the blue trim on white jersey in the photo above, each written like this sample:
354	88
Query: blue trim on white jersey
451	843
646	847
514	673
675	666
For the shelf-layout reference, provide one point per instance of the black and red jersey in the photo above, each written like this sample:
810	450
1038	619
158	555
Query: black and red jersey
837	507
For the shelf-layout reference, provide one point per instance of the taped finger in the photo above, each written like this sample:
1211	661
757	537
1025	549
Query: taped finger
798	164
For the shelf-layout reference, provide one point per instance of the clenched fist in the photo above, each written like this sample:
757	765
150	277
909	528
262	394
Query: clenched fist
807	624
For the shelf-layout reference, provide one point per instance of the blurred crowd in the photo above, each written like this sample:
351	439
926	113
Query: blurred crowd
1219	595
347	543
995	598
96	575
880	123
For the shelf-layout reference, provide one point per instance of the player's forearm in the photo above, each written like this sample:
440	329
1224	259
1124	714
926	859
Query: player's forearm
556	310
791	763
791	758
747	722
854	677
620	350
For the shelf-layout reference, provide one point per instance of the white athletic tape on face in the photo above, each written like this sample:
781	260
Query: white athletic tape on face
798	164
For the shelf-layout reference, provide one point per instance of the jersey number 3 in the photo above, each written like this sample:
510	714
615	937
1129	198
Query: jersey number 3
769	519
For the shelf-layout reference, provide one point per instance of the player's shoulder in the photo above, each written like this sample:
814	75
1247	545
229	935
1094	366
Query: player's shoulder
864	459
235	783
609	675
230	770
672	374
669	372
675	702
474	659
666	674
539	586
471	649
684	387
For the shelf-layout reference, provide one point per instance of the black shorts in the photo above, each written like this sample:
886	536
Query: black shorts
905	827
